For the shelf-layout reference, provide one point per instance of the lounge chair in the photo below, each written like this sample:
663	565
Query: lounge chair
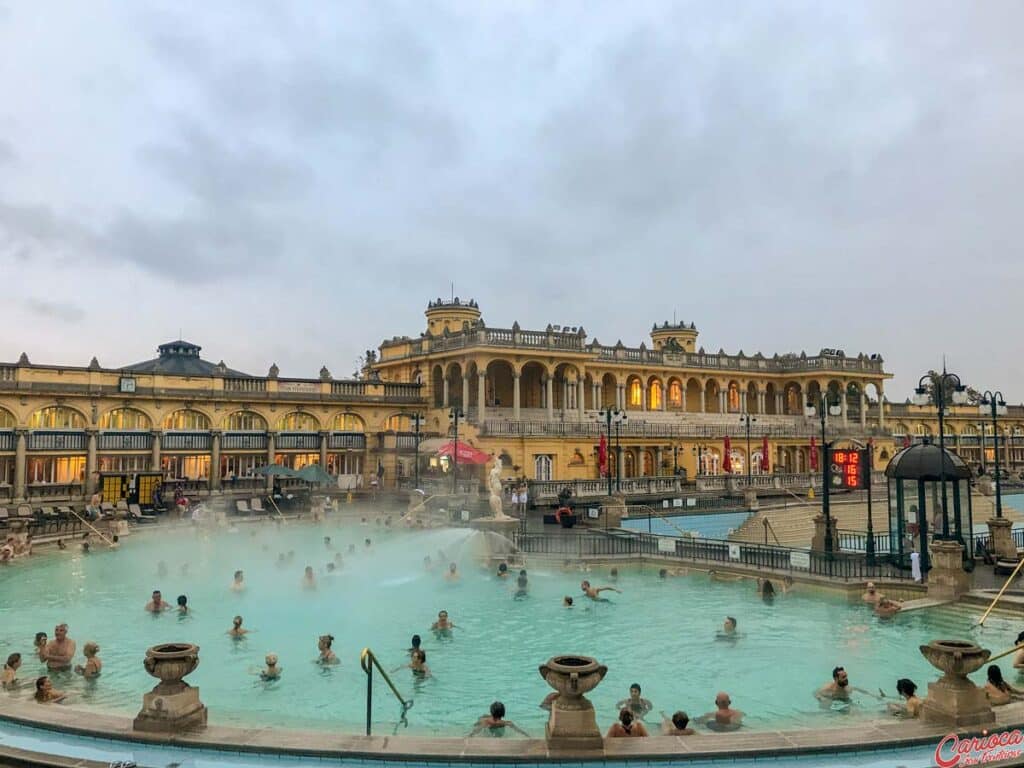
106	509
256	505
242	506
135	513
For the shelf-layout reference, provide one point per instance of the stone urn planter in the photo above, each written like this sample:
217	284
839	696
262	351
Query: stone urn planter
953	699
173	704
572	722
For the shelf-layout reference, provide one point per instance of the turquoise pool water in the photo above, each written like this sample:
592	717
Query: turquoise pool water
660	633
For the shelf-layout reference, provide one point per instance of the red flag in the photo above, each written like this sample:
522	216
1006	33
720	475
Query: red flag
727	461
814	455
602	456
765	463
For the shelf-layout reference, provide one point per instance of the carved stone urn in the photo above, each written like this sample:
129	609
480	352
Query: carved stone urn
173	705
953	699
572	723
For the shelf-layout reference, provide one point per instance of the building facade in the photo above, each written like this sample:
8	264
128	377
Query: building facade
199	424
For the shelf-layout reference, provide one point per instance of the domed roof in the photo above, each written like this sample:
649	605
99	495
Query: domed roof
925	461
181	358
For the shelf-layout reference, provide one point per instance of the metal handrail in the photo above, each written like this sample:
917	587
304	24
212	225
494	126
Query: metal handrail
652	512
367	660
768	527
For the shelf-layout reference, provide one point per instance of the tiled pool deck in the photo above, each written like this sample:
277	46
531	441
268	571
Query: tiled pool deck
741	746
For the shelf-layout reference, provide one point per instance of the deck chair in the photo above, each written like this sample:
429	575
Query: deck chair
135	513
242	506
256	505
106	509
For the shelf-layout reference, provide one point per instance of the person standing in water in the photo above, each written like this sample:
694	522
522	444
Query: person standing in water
453	572
443	624
40	645
237	632
157	604
327	656
627	726
495	722
308	578
60	651
238	584
93	665
636	703
9	676
183	609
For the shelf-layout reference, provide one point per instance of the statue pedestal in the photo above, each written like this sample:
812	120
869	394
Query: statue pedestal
572	723
947	580
818	540
612	508
170	713
953	700
1000	530
750	500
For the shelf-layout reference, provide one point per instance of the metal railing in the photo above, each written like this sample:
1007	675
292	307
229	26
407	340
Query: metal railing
367	660
791	560
857	541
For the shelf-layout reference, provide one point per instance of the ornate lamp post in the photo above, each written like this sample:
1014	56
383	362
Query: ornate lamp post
958	395
455	414
995	405
616	417
825	406
417	421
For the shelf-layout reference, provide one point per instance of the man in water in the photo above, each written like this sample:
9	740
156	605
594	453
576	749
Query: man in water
677	725
594	592
237	632
724	718
157	604
636	703
728	629
327	542
442	624
886	608
495	722
308	579
567	602
839	689
238	584
272	671
871	594
453	572
60	651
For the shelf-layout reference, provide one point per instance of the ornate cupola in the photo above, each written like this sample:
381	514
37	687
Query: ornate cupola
674	337
451	315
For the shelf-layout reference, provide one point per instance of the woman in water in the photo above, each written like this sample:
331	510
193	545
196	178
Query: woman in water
238	585
183	609
40	645
415	644
495	722
46	693
626	726
999	691
443	625
237	632
272	670
911	704
93	665
767	591
1018	657
8	678
327	656
502	570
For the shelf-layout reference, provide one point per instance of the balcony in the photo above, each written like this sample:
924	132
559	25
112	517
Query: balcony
243	441
8	440
355	441
199	442
124	441
307	441
57	440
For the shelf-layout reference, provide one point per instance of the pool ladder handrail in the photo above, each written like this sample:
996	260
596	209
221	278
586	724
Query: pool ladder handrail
652	513
368	660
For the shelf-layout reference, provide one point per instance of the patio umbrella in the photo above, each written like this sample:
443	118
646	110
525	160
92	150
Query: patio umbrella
276	469
765	463
814	455
314	473
467	454
727	459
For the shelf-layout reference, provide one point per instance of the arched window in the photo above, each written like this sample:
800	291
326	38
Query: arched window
348	422
675	394
399	422
245	421
969	430
921	430
654	396
757	462
899	430
636	393
7	420
542	467
125	419
298	422
56	417
187	420
710	462
737	462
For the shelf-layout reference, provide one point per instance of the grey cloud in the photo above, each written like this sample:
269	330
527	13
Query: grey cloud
53	310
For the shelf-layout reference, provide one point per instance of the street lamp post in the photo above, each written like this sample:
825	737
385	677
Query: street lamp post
417	422
675	460
938	395
869	546
746	419
612	416
825	406
455	414
993	403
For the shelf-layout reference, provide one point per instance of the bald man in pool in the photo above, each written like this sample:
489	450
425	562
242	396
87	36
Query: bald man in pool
594	592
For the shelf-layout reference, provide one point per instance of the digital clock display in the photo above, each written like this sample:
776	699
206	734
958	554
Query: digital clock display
846	468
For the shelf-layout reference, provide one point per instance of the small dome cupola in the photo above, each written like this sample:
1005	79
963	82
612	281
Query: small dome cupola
674	337
451	315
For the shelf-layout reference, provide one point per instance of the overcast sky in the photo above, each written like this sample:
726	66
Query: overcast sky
292	182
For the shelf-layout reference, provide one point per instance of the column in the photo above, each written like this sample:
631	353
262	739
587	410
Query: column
620	397
465	394
881	404
842	401
19	465
863	409
643	398
549	387
664	396
683	402
722	401
581	399
515	395
324	436
622	462
481	396
703	401
595	396
215	461
154	462
743	402
444	392
760	401
778	402
270	458
90	463
657	461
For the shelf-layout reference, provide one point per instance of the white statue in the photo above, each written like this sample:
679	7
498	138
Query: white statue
494	483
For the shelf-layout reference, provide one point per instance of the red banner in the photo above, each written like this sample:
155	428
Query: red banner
727	461
602	456
467	453
814	454
766	465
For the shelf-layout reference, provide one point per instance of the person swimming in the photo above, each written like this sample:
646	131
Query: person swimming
613	574
272	670
594	592
502	570
728	630
724	718
183	609
911	705
46	693
417	663
327	542
93	665
567	602
453	572
414	644
495	722
327	656
443	624
635	703
308	578
886	608
238	584
237	631
157	604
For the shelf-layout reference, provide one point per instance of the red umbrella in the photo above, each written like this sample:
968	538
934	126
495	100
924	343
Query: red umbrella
467	454
814	454
765	463
727	461
602	457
